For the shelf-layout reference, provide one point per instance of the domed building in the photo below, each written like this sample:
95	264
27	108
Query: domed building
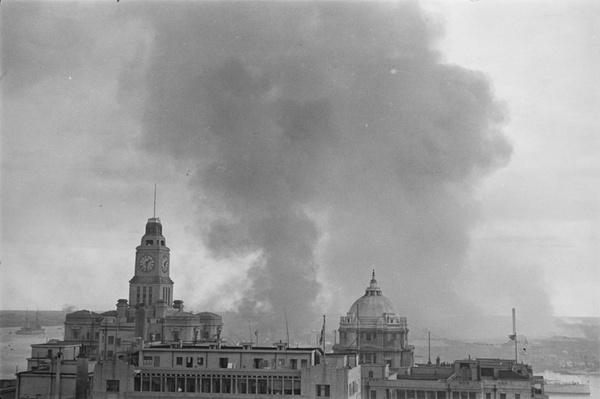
374	331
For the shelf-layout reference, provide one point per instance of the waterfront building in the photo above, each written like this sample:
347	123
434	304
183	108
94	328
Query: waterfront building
150	314
150	346
374	331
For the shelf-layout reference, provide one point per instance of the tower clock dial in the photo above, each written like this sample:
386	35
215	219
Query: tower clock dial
164	264
146	263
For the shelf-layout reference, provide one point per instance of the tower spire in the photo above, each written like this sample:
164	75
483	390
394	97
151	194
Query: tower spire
154	215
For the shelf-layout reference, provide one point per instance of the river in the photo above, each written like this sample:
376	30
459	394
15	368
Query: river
15	349
592	380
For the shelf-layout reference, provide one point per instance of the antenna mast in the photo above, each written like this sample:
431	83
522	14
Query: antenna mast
429	345
287	330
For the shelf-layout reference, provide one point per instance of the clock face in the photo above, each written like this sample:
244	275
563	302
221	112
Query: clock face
164	264
146	263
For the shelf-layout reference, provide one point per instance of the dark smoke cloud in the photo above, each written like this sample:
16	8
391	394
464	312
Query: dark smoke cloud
328	128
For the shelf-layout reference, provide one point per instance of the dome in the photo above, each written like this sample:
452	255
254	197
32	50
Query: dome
373	303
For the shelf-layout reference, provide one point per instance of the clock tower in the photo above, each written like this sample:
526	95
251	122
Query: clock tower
151	281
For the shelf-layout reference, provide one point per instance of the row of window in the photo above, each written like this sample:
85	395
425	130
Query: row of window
266	385
421	394
372	336
257	363
75	334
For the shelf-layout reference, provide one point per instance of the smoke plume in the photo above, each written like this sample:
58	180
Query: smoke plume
328	139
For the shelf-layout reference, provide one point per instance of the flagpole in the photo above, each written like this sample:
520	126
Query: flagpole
515	334
323	338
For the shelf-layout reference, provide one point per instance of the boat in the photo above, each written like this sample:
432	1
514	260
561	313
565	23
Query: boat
566	388
31	329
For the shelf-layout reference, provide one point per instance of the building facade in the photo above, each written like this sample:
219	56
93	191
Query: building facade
241	371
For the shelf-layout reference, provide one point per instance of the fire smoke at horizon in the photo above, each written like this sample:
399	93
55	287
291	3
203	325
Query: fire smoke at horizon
329	138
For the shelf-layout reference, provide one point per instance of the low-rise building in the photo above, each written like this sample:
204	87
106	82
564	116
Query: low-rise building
56	369
203	371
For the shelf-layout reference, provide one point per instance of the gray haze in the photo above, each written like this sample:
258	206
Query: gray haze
330	138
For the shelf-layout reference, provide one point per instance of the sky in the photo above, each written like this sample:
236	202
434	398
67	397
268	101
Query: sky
297	146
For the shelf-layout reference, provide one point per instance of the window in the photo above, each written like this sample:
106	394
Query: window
303	363
179	361
323	391
112	385
148	242
241	385
287	387
488	395
441	395
400	394
137	296
373	395
75	333
472	395
223	362
206	385
517	396
109	354
200	361
149	295
502	396
155	384
370	374
111	340
262	386
156	361
148	360
257	363
190	385
189	362
487	372
294	364
97	336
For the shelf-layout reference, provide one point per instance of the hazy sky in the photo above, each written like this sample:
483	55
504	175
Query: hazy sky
451	146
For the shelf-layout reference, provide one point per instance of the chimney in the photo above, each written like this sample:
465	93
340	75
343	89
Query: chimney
161	308
82	377
122	308
141	326
178	304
